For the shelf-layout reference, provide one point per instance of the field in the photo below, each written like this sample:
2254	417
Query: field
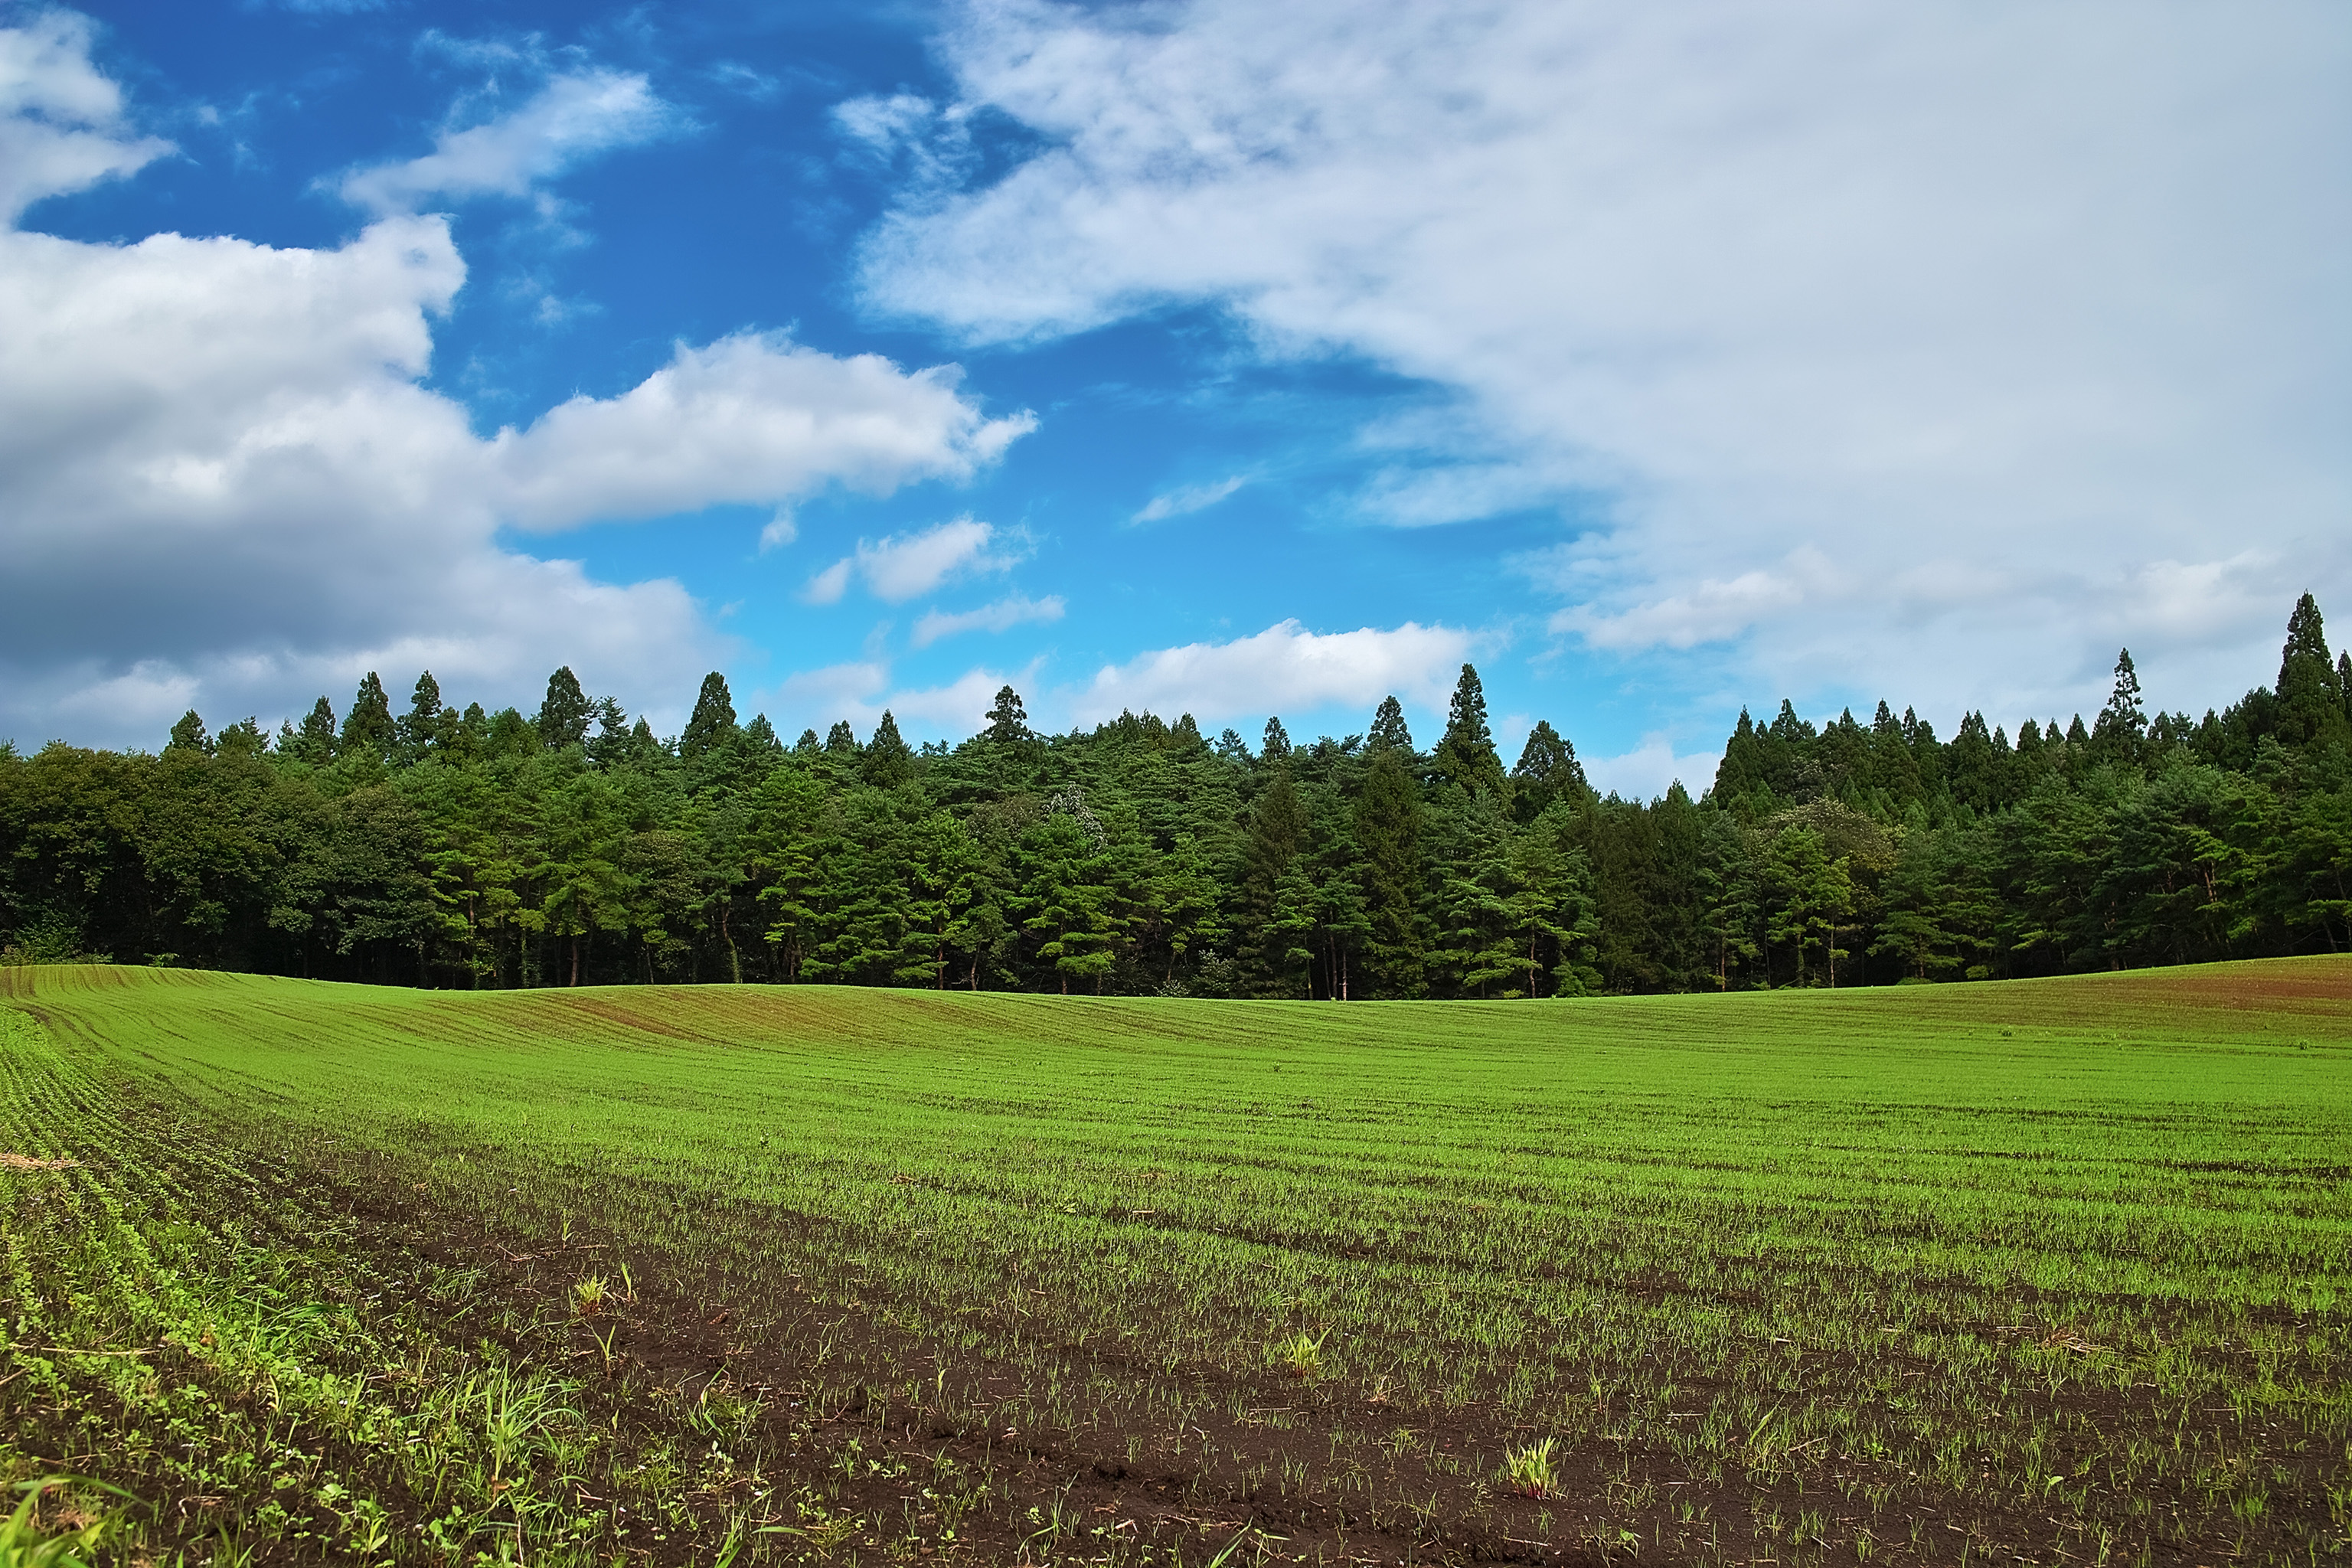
2048	1271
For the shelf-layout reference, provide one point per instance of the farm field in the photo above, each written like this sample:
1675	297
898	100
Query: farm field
2047	1271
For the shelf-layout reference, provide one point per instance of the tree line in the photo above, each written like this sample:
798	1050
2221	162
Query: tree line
437	847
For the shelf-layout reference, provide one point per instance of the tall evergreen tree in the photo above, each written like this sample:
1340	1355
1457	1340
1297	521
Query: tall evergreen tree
189	737
713	719
2121	730
1388	827
1547	771
564	712
369	727
1389	731
888	762
1277	742
420	728
315	741
1465	754
2310	701
1008	721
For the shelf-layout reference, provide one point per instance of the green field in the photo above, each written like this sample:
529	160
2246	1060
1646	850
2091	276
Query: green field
2045	1271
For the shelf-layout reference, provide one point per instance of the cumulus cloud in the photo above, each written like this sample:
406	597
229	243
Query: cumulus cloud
1013	610
2024	298
901	568
61	122
1284	666
1186	500
753	417
575	116
222	481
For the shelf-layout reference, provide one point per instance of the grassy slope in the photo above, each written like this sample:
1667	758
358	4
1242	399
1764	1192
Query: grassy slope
2051	1263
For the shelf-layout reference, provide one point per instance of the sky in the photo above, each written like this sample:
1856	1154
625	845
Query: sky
1198	357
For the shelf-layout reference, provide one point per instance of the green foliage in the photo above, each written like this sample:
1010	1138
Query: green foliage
489	849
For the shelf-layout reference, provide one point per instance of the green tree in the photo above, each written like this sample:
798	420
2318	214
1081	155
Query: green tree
712	720
368	728
889	761
1465	754
2311	698
563	714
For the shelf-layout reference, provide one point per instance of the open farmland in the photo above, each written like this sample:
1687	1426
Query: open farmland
2044	1271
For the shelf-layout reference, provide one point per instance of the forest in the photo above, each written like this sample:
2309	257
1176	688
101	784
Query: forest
443	847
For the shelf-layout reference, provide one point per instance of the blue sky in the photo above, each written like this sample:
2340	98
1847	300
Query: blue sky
1187	356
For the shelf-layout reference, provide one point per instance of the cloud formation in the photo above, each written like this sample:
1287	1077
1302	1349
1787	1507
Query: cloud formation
2024	299
573	117
222	481
1185	500
61	123
1284	666
1013	610
899	568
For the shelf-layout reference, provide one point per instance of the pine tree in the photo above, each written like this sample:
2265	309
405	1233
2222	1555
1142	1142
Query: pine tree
1008	721
1465	754
368	728
315	743
2310	700
841	740
1277	742
1389	731
420	729
1388	829
2120	732
888	762
563	714
189	737
1548	770
713	719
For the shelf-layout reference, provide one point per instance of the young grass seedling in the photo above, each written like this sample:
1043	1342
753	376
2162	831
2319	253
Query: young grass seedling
1529	1472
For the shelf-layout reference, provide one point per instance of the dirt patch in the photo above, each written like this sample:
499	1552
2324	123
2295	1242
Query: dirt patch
15	1161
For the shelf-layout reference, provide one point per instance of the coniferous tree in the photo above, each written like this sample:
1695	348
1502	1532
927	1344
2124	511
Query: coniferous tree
2121	729
889	761
420	729
1465	754
1548	770
2310	700
841	740
369	728
1008	721
712	720
1389	732
189	736
564	712
1276	746
315	741
1388	827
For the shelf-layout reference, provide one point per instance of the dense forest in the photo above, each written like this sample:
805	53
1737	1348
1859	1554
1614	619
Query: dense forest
441	847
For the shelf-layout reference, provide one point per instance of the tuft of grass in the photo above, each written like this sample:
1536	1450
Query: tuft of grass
1301	1355
1529	1471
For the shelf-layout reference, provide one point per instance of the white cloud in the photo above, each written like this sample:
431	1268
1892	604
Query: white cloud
222	482
1013	610
901	568
750	418
575	116
1284	667
1188	499
827	586
781	531
2013	300
61	122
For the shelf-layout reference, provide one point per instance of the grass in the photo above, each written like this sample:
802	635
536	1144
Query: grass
2044	1271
